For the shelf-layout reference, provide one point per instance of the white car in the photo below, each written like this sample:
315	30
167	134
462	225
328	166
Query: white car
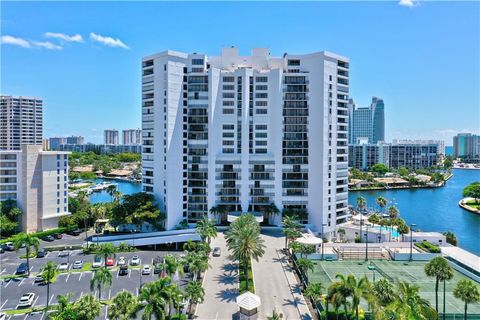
38	277
146	270
26	300
97	262
63	266
135	261
3	316
77	264
121	262
63	253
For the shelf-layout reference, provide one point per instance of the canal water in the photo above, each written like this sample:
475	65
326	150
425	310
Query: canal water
434	209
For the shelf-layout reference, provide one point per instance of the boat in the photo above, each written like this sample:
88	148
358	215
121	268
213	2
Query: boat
102	186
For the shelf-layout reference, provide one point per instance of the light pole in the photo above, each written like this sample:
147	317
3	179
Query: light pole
323	244
366	243
411	241
361	223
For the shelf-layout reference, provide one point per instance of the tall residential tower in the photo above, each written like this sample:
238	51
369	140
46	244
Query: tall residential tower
366	123
241	132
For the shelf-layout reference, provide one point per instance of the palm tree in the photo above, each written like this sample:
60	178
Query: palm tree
393	212
403	229
102	277
105	250
28	240
271	210
383	292
123	307
87	308
153	301
194	292
206	229
290	229
341	233
314	292
304	265
111	190
468	292
197	263
337	296
361	203
381	202
65	308
439	268
275	315
244	241
359	289
217	212
49	271
173	264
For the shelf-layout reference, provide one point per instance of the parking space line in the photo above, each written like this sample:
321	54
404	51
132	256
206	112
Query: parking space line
81	294
49	301
118	274
81	274
106	312
3	271
129	272
26	316
8	283
33	304
68	277
109	293
20	282
47	254
3	304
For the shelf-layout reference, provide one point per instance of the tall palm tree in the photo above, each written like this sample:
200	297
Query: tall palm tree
383	292
439	268
124	306
304	265
217	212
197	263
65	308
466	291
290	229
152	296
244	241
105	250
381	202
101	278
194	292
337	296
275	315
87	308
271	210
314	292
49	271
28	240
359	289
206	229
361	203
111	191
173	264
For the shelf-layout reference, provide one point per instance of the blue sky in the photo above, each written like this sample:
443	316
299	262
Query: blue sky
423	60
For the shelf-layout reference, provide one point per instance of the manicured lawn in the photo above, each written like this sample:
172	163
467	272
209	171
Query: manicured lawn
243	279
473	204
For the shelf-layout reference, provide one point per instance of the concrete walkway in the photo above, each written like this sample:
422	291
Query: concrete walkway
275	281
221	286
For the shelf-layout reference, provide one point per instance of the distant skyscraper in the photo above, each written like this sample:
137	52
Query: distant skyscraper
21	122
75	140
467	146
111	136
132	136
55	142
366	122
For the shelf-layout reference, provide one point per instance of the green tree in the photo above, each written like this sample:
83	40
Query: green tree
403	172
381	202
105	250
383	292
197	263
472	191
217	212
124	306
393	212
206	229
468	292
379	168
86	308
305	265
439	268
275	315
451	238
314	291
28	240
154	303
270	211
290	229
361	203
49	272
101	278
194	292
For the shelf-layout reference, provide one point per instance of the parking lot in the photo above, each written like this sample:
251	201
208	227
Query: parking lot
75	281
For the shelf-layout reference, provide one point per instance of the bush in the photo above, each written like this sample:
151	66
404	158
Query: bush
427	246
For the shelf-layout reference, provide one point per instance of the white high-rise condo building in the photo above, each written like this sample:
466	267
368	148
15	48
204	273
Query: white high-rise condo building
38	181
239	133
132	136
366	123
21	122
110	136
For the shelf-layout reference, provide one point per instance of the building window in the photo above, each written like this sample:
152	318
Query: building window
228	79
293	62
228	111
261	111
261	79
197	62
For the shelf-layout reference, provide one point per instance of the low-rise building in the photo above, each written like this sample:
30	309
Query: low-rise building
101	148
38	181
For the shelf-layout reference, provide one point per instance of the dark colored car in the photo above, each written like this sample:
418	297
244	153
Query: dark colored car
186	268
123	271
157	268
58	236
41	253
22	268
48	238
75	232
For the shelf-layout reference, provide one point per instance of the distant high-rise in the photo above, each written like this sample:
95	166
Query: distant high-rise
75	140
111	136
132	136
55	142
21	122
467	147
366	123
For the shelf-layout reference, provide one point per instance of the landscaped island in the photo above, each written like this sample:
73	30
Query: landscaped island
471	200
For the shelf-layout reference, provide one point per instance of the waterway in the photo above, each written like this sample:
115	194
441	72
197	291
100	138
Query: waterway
124	187
434	209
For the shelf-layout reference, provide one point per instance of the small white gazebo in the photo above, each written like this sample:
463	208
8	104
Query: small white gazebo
308	238
249	304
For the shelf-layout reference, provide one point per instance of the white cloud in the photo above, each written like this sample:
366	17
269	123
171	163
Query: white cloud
407	3
108	41
64	37
47	45
15	41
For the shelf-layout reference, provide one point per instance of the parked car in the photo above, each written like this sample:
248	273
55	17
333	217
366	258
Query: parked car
9	246
64	253
48	238
1	249
135	261
123	270
147	269
26	300
216	252
41	253
58	236
22	268
121	262
97	262
38	277
110	262
63	266
157	268
77	264
75	232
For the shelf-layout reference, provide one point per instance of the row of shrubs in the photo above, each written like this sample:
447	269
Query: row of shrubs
427	246
122	247
42	234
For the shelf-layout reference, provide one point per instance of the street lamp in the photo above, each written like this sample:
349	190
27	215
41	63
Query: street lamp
323	244
361	223
411	241
366	243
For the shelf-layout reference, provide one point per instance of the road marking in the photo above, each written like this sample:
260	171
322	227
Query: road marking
33	304
49	301
109	293
20	282
3	304
118	273
81	294
3	271
81	274
68	277
26	316
106	312
129	272
8	283
31	268
47	254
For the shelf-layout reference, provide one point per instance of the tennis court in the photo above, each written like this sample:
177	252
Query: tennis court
412	272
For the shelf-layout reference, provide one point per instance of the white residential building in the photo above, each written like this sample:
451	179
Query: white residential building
21	122
132	136
110	136
242	132
38	181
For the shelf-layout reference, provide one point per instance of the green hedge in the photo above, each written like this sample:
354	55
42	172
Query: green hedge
42	234
427	246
